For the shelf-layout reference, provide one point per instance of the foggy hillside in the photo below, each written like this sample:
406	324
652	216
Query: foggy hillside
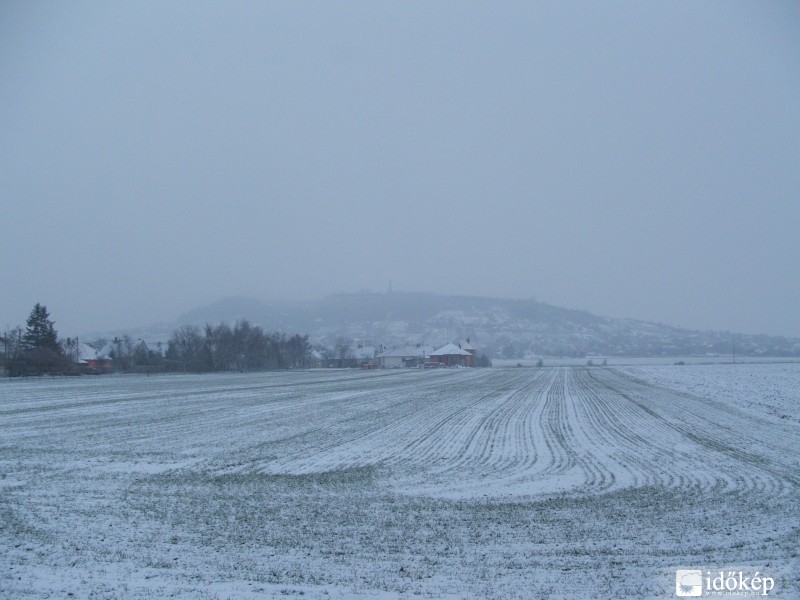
499	327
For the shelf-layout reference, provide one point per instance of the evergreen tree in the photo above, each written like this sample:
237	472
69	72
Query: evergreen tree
40	332
43	353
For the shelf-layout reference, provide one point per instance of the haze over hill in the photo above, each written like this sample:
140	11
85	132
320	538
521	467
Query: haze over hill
500	327
636	158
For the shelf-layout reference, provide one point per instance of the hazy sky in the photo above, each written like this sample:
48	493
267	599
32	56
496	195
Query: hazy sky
634	159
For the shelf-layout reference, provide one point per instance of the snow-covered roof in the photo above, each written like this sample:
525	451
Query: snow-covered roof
465	345
106	350
406	352
450	350
86	353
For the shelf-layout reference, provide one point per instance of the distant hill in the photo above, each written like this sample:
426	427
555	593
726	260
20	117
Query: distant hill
498	327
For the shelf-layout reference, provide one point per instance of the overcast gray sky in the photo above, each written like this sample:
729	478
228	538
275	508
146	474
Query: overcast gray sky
634	159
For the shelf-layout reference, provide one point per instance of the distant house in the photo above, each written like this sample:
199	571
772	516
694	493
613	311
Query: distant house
404	356
316	359
90	361
364	354
452	355
351	358
466	345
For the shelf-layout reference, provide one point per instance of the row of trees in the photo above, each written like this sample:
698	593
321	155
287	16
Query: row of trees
37	350
243	347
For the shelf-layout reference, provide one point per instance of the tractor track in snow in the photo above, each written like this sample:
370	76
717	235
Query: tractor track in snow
529	432
455	433
530	480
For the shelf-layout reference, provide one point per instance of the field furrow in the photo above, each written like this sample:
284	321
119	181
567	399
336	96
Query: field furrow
484	483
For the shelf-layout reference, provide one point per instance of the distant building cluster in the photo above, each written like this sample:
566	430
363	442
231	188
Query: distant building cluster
118	355
462	354
364	356
449	355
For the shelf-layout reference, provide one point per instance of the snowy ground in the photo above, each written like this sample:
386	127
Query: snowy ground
485	483
772	389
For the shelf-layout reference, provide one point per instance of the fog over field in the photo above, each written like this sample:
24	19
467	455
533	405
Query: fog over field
238	225
636	160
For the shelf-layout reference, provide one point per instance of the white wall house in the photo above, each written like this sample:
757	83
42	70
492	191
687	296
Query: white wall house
404	356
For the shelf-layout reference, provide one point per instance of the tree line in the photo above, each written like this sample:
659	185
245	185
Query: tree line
243	347
37	350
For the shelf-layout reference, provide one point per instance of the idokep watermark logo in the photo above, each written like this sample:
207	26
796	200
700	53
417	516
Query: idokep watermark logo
688	583
695	583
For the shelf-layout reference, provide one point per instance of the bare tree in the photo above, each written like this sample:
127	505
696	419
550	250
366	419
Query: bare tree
186	347
12	351
343	350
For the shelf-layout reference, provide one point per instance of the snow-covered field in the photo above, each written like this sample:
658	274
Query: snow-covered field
772	389
470	483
